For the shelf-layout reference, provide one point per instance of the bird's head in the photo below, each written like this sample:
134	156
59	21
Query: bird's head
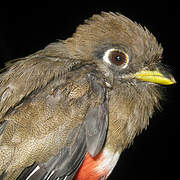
122	49
129	57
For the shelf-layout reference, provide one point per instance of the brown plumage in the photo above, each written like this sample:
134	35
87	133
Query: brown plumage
89	94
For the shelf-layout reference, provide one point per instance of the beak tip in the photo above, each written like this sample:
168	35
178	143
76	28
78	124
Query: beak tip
173	80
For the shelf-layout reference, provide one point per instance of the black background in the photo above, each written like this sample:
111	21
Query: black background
154	153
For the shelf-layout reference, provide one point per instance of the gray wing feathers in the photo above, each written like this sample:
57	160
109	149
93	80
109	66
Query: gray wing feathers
32	172
96	120
70	156
96	128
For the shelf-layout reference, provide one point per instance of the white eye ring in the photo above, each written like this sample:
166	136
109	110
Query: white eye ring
119	58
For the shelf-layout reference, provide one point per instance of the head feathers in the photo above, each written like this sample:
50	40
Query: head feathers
112	28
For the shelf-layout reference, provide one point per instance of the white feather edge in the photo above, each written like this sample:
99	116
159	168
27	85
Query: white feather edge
109	161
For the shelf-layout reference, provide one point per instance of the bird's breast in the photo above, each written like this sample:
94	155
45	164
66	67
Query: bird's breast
100	166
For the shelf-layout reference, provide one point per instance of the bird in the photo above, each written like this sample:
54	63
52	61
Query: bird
69	110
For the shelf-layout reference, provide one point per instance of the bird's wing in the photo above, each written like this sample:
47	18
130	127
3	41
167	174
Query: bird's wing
64	164
2	126
96	121
24	76
30	77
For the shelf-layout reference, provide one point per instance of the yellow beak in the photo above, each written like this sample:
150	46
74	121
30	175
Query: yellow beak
154	77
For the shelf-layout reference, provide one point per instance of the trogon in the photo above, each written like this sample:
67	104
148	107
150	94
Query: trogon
70	109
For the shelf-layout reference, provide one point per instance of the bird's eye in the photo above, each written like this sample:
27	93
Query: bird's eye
117	57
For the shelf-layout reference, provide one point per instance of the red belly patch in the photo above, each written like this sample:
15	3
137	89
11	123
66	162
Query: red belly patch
88	169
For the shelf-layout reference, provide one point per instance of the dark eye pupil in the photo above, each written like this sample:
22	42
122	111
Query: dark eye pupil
118	58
